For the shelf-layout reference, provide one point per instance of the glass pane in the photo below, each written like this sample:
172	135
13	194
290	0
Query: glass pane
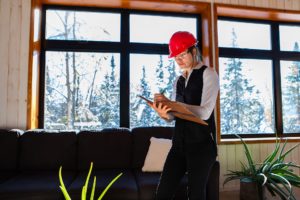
244	35
290	88
289	38
246	94
148	75
158	29
82	90
78	25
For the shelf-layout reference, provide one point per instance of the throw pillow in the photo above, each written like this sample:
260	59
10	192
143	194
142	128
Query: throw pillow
157	154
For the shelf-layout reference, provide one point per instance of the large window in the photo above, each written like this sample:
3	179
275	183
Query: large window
259	78
95	62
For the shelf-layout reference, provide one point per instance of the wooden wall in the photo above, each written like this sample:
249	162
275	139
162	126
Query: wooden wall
14	48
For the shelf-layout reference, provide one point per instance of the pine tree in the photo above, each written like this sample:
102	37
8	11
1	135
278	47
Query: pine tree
104	113
144	112
241	111
171	78
108	103
114	94
160	74
291	97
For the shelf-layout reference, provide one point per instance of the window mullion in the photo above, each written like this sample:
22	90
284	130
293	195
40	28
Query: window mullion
277	79
124	71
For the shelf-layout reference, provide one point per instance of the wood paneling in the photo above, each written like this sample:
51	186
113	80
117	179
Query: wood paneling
4	55
258	13
24	57
14	39
14	63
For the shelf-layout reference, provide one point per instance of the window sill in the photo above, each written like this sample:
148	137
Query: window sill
257	140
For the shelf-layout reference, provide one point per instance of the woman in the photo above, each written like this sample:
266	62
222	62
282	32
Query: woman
193	147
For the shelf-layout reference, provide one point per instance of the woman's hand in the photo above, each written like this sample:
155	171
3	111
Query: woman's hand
158	97
162	110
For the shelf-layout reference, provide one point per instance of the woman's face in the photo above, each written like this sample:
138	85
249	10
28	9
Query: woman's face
184	60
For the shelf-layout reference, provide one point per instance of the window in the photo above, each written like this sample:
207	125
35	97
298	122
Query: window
94	63
259	78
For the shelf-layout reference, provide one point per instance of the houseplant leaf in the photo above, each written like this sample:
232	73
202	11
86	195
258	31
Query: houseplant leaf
108	186
62	185
85	186
274	173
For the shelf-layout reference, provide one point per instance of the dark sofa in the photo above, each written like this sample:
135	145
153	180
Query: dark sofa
30	160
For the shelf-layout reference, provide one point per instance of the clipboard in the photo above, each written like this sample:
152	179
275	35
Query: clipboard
178	111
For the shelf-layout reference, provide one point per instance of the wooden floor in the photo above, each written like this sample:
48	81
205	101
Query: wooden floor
234	195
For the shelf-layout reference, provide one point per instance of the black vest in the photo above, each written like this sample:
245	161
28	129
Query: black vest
187	131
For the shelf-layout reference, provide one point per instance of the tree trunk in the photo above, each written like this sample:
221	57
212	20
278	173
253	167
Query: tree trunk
69	101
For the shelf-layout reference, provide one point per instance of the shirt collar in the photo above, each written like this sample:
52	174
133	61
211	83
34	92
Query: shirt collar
185	73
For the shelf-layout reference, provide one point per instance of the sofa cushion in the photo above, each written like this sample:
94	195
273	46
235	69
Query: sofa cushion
35	185
148	181
141	142
6	175
157	154
124	188
8	149
48	150
109	148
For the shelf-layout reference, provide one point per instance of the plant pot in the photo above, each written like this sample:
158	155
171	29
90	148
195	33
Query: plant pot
249	190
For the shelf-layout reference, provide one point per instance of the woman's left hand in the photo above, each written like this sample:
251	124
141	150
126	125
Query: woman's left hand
158	97
162	110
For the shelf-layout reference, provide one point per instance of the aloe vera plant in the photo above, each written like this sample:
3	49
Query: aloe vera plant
85	186
274	172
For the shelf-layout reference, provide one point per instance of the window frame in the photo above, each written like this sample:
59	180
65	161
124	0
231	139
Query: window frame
274	54
124	48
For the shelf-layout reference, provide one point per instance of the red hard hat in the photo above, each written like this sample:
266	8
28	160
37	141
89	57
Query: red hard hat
181	41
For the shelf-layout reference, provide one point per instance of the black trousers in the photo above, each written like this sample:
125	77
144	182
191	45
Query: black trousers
195	159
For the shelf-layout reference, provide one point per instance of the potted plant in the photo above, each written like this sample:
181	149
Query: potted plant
85	187
273	174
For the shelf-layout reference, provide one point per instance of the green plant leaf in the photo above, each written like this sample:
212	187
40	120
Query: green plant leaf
109	185
266	167
93	189
65	193
288	151
286	184
264	177
83	193
85	187
62	185
275	174
270	189
294	181
277	189
273	154
248	155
